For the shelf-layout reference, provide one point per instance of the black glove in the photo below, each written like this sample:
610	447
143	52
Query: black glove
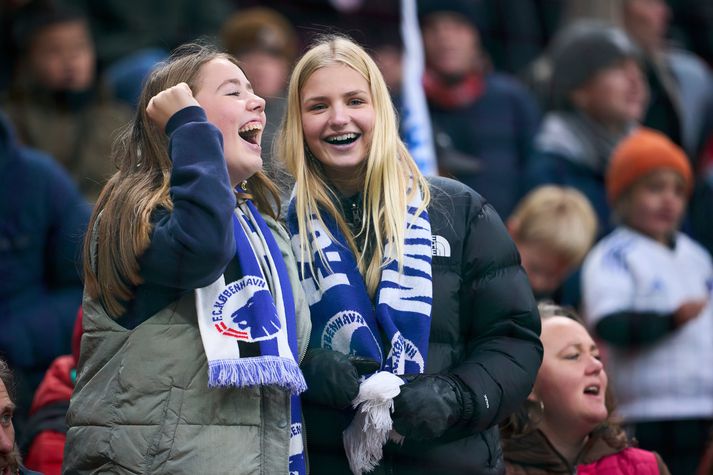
429	405
332	379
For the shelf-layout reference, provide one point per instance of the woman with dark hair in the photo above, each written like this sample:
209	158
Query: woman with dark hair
565	426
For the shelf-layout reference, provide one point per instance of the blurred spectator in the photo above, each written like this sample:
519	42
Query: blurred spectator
513	32
681	85
692	26
483	122
599	94
42	220
363	20
10	460
646	290
566	425
56	103
553	228
46	431
132	35
265	43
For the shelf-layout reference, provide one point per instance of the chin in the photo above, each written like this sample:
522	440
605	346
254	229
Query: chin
597	417
245	168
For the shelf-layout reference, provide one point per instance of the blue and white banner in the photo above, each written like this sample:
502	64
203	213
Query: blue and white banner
416	123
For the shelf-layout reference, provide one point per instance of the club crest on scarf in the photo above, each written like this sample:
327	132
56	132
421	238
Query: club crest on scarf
244	301
344	329
257	311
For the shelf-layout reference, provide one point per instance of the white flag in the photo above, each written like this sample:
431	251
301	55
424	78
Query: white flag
416	123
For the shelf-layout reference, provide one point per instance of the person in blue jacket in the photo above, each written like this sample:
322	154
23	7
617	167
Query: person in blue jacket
43	217
191	320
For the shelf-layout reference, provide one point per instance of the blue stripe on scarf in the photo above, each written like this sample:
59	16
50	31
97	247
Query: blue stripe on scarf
343	316
297	464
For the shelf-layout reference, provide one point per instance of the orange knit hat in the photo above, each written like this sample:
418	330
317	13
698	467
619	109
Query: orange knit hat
642	152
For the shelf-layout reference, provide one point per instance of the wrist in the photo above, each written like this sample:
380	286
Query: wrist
466	397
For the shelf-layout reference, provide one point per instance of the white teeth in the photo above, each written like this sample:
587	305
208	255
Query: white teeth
251	126
339	138
591	390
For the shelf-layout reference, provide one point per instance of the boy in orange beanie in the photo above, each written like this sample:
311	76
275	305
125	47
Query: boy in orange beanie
646	290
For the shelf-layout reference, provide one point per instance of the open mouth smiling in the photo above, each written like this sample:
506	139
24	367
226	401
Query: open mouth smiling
342	139
251	132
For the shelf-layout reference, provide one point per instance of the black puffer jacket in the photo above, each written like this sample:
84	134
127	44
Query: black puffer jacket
485	329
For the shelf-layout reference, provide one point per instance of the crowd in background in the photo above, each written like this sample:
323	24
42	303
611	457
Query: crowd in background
559	112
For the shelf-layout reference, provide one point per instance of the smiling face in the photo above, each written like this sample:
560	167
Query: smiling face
656	204
571	382
231	105
338	120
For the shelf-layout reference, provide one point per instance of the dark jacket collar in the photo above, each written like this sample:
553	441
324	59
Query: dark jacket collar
535	451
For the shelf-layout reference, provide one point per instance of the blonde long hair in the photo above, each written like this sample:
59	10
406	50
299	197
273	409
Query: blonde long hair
386	174
141	185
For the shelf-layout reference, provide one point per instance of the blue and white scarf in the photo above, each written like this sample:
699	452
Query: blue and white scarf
343	316
248	325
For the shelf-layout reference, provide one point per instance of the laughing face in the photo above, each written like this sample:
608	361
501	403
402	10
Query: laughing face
571	382
338	120
231	105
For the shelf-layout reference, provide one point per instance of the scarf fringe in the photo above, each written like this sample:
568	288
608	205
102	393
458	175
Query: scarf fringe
370	429
247	372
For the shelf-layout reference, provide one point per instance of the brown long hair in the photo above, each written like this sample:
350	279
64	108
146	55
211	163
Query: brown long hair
141	185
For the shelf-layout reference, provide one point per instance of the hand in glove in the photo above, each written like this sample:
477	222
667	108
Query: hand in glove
428	405
332	377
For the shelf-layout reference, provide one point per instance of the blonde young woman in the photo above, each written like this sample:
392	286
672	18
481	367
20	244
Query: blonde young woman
412	276
191	324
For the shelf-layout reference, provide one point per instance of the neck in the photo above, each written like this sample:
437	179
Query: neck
667	238
568	444
613	127
347	185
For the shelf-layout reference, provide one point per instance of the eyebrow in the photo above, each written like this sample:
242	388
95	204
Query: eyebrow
235	81
346	94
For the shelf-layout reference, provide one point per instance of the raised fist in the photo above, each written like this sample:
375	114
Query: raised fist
169	101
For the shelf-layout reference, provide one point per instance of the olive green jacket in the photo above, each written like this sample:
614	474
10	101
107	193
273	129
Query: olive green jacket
142	402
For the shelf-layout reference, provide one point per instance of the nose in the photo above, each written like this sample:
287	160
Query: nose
594	365
256	103
338	117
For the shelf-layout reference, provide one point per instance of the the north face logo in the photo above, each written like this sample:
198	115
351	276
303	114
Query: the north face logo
440	246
